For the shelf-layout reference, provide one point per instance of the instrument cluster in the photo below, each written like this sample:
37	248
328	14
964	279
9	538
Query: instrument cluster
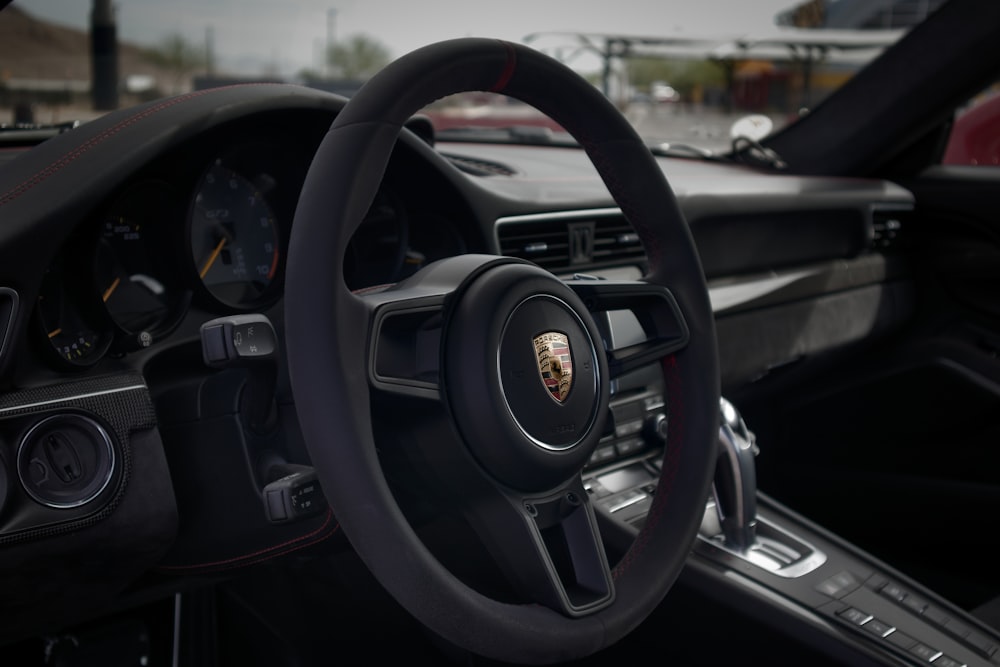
205	229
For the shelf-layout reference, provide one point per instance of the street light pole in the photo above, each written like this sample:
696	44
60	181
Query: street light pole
331	25
104	55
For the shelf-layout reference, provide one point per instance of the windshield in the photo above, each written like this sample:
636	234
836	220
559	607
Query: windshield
691	76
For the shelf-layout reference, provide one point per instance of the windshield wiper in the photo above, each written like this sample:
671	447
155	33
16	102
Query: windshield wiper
507	134
541	135
753	152
671	149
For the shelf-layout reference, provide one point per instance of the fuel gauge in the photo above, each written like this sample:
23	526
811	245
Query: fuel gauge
71	332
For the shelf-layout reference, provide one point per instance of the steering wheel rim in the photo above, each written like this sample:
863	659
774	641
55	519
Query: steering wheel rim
329	362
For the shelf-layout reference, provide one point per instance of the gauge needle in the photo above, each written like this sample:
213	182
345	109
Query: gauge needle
212	257
55	332
111	290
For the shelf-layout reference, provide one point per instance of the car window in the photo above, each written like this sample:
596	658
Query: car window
687	74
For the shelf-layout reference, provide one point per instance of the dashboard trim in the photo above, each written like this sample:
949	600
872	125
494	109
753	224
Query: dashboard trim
67	399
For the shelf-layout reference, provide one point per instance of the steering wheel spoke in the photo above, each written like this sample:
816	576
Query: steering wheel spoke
655	311
407	323
549	546
404	346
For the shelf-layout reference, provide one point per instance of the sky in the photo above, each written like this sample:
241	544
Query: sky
287	36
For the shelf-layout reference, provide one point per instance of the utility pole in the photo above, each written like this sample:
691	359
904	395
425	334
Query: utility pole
331	32
209	52
104	56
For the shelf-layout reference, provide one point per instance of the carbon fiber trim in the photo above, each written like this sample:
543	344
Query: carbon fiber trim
122	402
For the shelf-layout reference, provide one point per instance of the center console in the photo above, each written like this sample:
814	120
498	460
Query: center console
785	570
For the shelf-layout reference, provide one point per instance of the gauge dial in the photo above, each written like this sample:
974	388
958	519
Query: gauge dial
70	331
234	238
134	297
130	265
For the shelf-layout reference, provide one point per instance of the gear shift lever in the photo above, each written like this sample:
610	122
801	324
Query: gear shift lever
730	525
735	485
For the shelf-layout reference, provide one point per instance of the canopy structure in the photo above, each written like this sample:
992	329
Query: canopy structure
802	46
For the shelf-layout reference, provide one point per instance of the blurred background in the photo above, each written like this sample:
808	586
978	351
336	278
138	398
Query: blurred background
682	72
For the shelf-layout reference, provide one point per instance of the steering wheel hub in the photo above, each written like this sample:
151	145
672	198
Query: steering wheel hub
521	362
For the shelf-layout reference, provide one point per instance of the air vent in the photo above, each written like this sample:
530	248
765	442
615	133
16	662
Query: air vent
478	167
562	242
887	223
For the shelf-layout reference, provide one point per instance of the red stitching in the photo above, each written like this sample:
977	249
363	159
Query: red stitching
223	568
508	69
56	166
361	291
90	143
222	563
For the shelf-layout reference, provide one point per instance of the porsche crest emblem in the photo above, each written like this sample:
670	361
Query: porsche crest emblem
555	364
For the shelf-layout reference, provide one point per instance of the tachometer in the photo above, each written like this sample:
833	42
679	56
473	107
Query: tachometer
234	238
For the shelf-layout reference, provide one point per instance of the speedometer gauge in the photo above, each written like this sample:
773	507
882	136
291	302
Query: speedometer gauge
234	238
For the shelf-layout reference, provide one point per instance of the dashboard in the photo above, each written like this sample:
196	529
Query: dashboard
122	237
200	227
204	228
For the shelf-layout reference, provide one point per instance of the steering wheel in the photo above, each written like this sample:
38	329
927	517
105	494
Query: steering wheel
498	375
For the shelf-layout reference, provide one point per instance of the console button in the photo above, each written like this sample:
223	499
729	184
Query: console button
654	402
628	428
838	585
894	592
946	661
855	616
878	628
629	446
603	454
914	604
925	652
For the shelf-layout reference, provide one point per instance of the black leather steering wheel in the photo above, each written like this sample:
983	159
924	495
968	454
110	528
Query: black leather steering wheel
464	344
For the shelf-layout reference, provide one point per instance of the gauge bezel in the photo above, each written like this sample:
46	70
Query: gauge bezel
252	158
77	295
159	202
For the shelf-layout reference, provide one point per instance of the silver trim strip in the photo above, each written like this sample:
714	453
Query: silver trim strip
560	215
627	503
55	401
554	216
175	660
